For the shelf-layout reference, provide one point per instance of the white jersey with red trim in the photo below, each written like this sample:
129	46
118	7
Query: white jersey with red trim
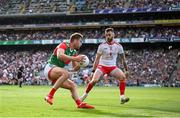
109	53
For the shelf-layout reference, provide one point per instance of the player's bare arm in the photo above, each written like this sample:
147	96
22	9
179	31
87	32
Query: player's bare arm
62	56
76	66
96	62
123	62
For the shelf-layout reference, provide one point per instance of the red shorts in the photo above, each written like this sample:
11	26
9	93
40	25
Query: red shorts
106	69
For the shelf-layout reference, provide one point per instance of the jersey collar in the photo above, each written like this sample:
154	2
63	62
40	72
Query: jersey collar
110	43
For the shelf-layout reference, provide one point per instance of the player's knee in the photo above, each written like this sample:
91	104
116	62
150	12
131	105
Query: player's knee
73	86
65	74
122	77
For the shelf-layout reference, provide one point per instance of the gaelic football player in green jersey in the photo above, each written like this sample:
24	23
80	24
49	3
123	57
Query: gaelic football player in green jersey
62	55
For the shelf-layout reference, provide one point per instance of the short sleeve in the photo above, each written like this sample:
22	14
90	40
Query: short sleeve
62	46
100	51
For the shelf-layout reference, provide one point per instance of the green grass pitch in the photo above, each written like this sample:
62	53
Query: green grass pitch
144	102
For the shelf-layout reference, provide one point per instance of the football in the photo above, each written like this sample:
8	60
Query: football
85	62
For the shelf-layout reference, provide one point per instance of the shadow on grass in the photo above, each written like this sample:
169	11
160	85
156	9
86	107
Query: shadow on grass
103	113
143	108
100	113
155	109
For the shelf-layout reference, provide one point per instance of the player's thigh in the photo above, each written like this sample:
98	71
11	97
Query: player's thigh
97	74
57	72
118	74
68	84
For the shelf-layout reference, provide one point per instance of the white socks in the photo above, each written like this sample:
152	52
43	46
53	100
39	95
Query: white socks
122	96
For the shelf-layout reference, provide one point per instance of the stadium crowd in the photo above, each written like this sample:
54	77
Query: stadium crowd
146	66
114	4
32	62
166	33
151	66
50	6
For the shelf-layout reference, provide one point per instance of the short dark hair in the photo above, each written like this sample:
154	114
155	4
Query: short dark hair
109	29
76	36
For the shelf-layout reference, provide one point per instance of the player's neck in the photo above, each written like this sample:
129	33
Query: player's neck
110	43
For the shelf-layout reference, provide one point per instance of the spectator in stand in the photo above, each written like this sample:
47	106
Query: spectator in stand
114	4
49	6
166	33
148	66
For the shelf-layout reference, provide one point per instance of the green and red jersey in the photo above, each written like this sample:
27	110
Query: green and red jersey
58	62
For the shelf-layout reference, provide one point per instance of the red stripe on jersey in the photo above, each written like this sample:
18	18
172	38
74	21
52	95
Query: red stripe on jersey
118	43
62	46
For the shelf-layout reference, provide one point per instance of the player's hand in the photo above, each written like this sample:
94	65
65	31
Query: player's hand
126	74
78	58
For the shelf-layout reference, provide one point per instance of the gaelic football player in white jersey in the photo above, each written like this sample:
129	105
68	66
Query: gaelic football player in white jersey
105	63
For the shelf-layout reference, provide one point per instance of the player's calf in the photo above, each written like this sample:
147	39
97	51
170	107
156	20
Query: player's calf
119	75
94	80
122	86
88	89
63	76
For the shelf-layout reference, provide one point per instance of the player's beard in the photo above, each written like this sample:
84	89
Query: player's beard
109	39
77	47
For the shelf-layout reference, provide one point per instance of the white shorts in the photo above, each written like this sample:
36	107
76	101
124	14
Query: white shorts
48	69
